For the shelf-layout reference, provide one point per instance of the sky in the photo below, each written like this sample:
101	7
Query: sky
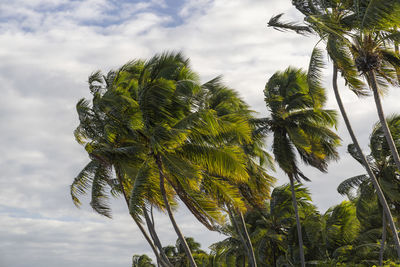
50	47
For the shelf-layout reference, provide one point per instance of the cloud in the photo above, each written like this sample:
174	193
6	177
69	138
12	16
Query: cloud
48	50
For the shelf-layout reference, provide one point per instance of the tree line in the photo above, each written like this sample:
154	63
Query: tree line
157	137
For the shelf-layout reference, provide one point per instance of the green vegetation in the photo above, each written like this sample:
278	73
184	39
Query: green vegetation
158	138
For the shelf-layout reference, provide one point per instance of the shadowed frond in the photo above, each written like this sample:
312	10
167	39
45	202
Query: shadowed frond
83	182
352	183
279	25
100	188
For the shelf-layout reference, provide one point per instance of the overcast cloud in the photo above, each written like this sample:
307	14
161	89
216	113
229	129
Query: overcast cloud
49	47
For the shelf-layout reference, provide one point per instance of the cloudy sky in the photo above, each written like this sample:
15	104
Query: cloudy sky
47	50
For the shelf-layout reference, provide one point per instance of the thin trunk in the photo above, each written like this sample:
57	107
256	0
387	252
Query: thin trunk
378	189
252	257
383	239
236	226
385	127
153	233
296	211
146	236
171	215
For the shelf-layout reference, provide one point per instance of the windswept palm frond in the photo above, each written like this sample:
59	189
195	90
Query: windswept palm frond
349	184
314	77
279	25
100	195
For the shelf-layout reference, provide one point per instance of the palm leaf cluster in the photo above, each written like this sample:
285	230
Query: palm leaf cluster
155	134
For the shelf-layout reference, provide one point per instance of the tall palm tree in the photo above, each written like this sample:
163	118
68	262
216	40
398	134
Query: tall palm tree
299	123
158	117
333	21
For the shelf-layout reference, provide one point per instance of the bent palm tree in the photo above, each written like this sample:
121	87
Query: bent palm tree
299	123
384	169
159	120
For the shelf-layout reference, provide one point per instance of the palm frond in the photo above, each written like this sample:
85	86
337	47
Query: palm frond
137	195
341	56
100	196
83	181
349	184
314	77
279	25
379	13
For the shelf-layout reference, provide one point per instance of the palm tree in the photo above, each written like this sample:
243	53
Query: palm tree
332	21
385	171
232	250
174	141
177	255
299	123
142	261
274	228
341	229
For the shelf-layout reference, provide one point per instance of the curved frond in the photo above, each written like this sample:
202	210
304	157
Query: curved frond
100	195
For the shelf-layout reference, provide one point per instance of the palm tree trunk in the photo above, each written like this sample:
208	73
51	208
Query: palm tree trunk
153	233
244	236
236	226
171	215
378	189
252	257
382	248
372	81
296	211
146	236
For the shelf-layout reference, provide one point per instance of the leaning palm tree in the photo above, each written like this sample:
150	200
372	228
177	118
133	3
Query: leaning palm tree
385	171
299	123
331	21
152	114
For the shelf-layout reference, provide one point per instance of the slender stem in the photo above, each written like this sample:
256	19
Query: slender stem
378	189
385	127
252	257
153	233
296	212
237	229
146	236
171	215
382	248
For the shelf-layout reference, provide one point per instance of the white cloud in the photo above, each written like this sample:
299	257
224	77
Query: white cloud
48	50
